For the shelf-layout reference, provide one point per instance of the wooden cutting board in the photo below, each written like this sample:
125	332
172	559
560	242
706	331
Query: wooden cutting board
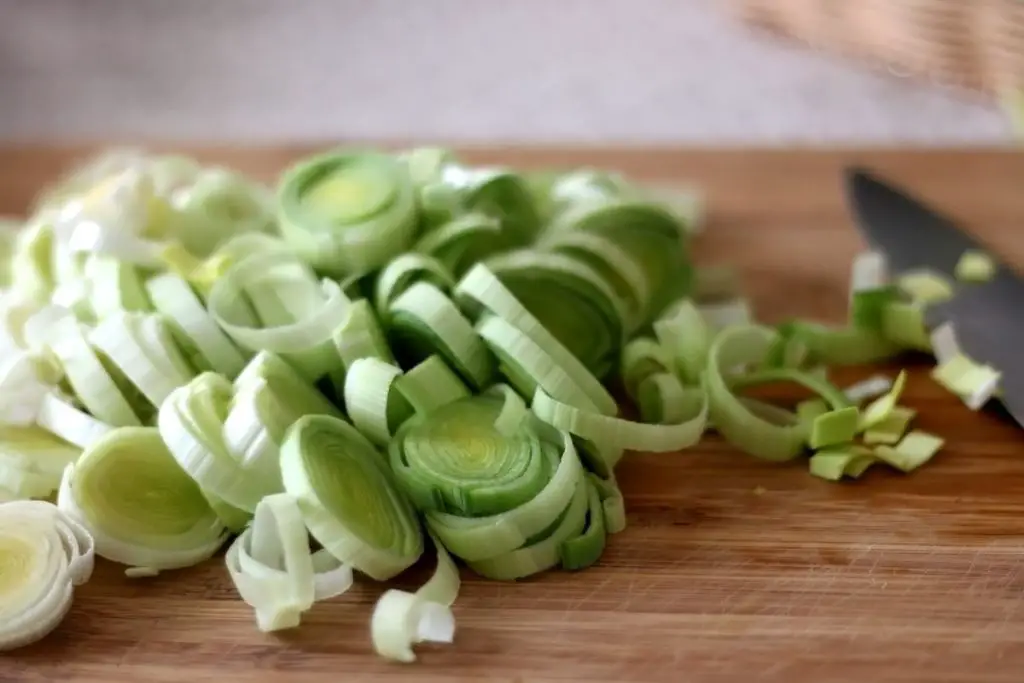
730	569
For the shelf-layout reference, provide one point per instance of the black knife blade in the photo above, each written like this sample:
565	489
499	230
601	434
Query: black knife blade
987	318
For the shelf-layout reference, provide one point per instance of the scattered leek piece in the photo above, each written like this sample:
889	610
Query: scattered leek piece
903	324
914	450
925	286
836	462
834	427
975	266
974	383
46	553
873	386
891	429
880	409
811	409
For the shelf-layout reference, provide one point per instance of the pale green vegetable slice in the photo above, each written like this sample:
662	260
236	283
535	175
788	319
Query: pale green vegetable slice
834	396
405	271
913	450
462	241
141	508
431	384
612	503
974	383
585	548
360	336
903	324
843	346
372	402
925	286
868	306
115	286
835	463
662	399
873	386
779	436
526	365
142	348
686	334
402	619
641	358
348	498
347	212
423	321
31	269
192	327
217	205
810	410
45	555
891	429
571	300
834	427
480	287
273	303
879	409
32	461
192	423
483	537
25	380
975	266
615	432
274	570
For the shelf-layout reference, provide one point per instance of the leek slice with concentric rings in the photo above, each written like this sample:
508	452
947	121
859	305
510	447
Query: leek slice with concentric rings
44	554
348	212
141	508
348	497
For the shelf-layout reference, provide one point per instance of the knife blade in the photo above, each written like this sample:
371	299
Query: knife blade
987	318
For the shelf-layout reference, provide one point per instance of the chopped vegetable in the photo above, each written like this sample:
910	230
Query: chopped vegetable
839	461
975	384
914	450
925	286
880	409
891	428
975	266
834	427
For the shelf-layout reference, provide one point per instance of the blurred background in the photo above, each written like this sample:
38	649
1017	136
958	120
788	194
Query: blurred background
586	71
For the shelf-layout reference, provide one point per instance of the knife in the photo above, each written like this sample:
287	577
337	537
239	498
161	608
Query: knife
988	318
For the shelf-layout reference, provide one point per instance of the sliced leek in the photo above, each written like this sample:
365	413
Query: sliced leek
140	507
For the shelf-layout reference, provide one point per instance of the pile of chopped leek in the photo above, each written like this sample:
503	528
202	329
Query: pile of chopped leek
392	355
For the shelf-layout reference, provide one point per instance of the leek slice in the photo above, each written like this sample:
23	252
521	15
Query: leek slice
641	358
974	383
360	336
913	450
140	507
45	555
430	385
925	286
423	322
662	399
405	271
372	403
273	303
835	463
192	327
218	204
834	427
779	436
31	269
348	498
348	213
462	241
571	300
274	570
481	287
873	386
975	266
879	409
903	324
891	429
685	333
843	346
32	461
401	619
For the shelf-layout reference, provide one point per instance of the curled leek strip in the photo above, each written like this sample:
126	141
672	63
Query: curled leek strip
194	330
462	241
371	401
348	498
360	336
267	302
431	384
570	299
652	235
641	358
192	422
142	348
843	346
115	286
348	213
617	433
218	204
274	570
480	288
405	271
424	321
45	554
401	619
775	436
141	508
685	333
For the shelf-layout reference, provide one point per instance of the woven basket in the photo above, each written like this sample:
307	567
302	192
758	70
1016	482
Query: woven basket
978	44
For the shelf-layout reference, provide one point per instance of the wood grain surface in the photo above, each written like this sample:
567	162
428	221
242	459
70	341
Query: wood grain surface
730	569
